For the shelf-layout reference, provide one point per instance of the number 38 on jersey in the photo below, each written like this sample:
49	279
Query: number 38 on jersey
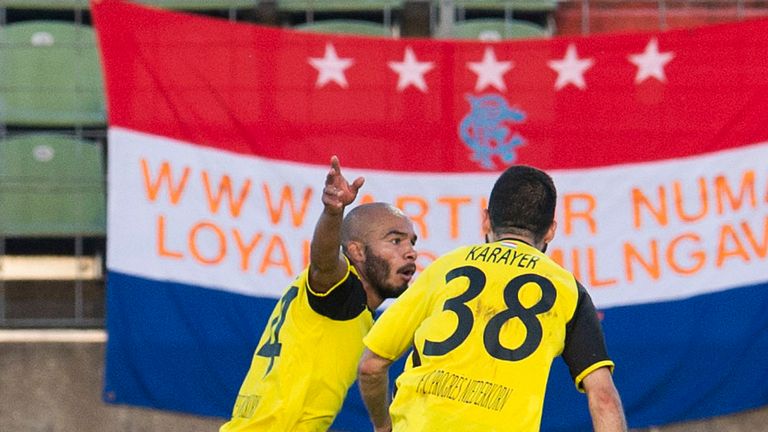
528	315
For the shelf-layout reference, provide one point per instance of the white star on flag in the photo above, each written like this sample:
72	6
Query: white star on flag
411	71
570	70
330	67
651	62
490	71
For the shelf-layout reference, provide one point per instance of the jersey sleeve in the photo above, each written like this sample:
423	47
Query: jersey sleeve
392	333
585	349
343	301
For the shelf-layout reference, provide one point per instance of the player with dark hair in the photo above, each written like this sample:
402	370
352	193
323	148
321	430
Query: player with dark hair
307	357
484	323
531	211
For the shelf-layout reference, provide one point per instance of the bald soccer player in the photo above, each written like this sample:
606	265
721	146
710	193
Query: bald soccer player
307	357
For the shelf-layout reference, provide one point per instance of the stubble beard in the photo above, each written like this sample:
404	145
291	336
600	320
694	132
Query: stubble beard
377	272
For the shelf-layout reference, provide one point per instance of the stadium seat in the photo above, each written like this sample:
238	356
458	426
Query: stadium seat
338	5
51	186
45	4
50	75
511	5
169	4
358	27
496	29
201	4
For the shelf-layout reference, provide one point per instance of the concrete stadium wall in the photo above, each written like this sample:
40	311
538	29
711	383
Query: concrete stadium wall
50	381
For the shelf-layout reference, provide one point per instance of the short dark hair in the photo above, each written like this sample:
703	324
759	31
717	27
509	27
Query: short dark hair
522	202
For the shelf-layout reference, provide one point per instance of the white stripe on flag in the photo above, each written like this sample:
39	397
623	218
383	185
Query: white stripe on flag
633	233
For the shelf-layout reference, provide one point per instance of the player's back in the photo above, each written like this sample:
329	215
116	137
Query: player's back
496	318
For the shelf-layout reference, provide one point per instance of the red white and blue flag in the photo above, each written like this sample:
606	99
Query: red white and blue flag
220	135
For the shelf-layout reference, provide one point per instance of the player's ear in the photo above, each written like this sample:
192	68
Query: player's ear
355	251
486	223
551	232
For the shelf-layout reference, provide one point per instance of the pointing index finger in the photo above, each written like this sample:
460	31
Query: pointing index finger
335	166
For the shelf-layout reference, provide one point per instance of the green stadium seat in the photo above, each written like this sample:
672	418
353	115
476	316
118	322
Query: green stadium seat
511	5
496	29
50	75
338	5
357	27
45	4
168	4
51	186
201	4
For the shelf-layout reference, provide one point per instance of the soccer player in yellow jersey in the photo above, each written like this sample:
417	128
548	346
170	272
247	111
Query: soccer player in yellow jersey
307	357
484	323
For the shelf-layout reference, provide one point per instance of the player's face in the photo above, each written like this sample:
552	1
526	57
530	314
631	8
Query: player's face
390	257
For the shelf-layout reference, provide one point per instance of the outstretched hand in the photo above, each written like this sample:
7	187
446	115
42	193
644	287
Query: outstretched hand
338	192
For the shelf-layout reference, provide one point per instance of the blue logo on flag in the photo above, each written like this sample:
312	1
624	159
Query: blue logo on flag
485	130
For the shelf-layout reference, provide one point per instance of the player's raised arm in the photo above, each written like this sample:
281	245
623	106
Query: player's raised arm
327	265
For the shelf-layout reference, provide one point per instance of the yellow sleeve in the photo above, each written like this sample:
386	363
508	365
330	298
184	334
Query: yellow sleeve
392	333
580	378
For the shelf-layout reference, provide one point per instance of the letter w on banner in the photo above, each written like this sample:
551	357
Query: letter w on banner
220	135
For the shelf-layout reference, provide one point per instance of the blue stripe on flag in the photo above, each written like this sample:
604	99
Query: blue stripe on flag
676	361
186	348
179	347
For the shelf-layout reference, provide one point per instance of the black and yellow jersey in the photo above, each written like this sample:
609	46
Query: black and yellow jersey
306	359
485	323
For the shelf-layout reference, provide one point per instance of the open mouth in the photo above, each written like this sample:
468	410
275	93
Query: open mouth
407	271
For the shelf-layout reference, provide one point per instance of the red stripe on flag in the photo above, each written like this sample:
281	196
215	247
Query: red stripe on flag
556	103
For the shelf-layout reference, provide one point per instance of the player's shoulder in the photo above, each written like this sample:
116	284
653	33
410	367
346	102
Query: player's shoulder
301	280
536	261
554	270
458	254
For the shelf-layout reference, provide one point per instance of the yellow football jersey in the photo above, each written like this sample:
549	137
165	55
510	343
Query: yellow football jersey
485	323
306	359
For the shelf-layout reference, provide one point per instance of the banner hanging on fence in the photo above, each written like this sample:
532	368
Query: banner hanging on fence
220	135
